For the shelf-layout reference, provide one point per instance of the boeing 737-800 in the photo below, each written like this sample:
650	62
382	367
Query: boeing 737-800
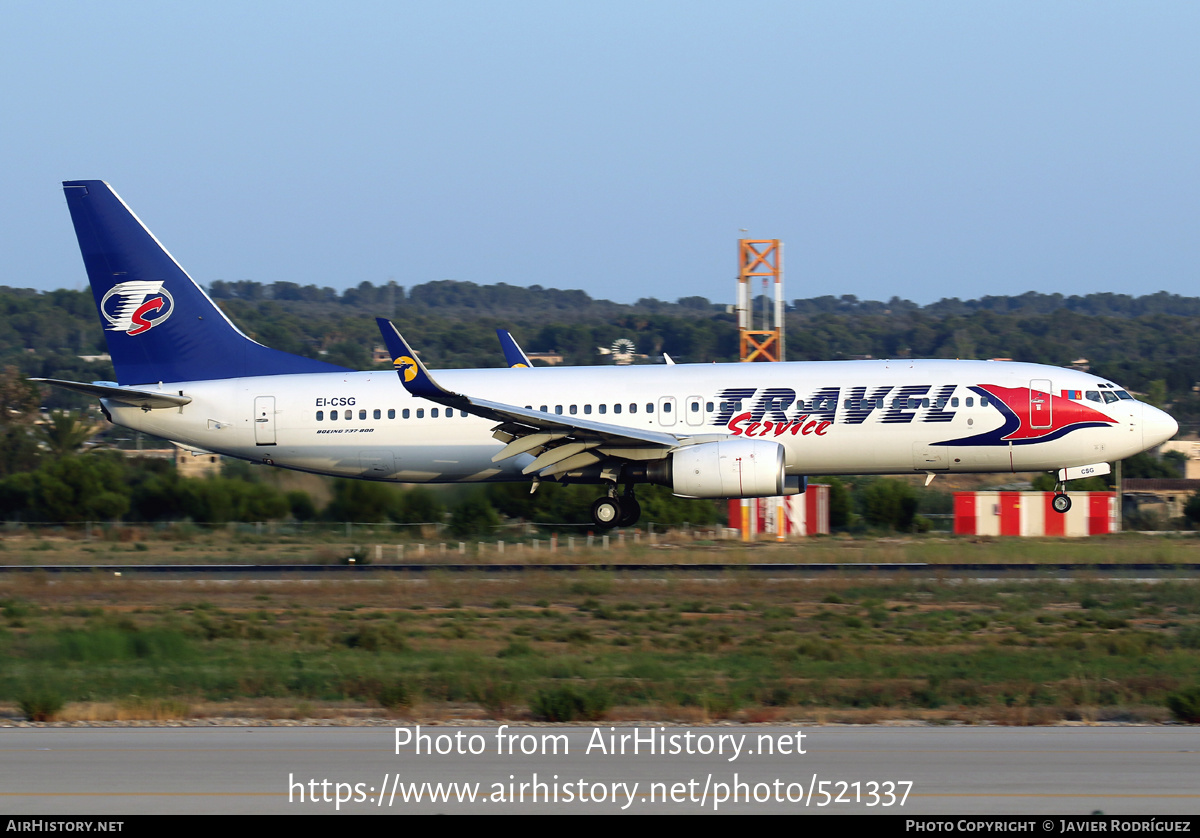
186	373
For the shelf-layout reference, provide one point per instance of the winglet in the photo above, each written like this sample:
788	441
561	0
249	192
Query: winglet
413	375
514	356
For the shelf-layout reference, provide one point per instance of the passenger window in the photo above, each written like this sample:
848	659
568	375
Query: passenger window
695	406
632	407
587	409
433	413
378	413
574	410
983	402
970	401
320	416
463	414
349	414
558	409
666	407
954	402
924	402
362	414
649	407
603	409
405	413
616	408
420	413
544	408
708	406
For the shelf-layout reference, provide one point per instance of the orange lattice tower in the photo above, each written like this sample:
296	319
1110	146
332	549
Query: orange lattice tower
760	258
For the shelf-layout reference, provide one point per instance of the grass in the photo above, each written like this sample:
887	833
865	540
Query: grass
550	646
185	544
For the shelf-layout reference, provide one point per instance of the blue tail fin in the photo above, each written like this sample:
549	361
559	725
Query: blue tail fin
514	355
159	324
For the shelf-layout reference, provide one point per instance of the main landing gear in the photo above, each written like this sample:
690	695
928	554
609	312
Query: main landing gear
609	511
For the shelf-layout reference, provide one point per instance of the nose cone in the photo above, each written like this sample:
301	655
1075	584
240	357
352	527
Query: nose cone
1157	426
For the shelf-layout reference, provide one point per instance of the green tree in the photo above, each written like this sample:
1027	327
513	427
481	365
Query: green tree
18	408
473	516
889	503
362	502
840	503
87	487
66	431
419	505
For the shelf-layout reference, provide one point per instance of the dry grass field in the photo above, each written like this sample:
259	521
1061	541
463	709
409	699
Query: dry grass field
562	646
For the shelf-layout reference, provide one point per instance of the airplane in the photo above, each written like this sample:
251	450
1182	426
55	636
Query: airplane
186	373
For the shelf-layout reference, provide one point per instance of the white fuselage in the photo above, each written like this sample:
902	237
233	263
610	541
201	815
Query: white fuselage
841	417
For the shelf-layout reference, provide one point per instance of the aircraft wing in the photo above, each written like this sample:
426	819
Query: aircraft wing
145	399
561	443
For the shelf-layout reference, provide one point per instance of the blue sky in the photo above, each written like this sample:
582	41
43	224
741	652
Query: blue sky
919	149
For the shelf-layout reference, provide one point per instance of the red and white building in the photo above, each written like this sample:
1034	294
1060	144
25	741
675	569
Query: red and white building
785	517
1030	514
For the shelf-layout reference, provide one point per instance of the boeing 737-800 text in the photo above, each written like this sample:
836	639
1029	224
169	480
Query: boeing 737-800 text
186	373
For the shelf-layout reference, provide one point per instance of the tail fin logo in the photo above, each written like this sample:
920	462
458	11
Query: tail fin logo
136	306
406	366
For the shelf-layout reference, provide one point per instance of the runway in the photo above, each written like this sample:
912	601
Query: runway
487	769
968	570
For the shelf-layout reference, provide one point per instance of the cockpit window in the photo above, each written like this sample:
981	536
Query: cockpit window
1093	396
1109	396
1121	394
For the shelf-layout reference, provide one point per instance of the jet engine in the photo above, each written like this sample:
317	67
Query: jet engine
734	468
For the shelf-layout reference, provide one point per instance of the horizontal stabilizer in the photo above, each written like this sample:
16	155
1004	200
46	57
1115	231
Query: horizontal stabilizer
145	399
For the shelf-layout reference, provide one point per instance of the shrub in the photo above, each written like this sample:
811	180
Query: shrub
567	704
1185	705
496	696
394	695
41	706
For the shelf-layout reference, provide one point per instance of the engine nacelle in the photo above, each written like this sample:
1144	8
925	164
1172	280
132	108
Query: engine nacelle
734	468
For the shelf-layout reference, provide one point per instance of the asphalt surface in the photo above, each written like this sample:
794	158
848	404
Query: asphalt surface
916	770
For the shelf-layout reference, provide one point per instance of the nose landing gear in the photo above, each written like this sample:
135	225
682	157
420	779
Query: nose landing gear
1061	503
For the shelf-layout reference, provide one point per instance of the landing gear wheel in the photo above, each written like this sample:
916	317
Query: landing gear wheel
606	512
631	510
1061	503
